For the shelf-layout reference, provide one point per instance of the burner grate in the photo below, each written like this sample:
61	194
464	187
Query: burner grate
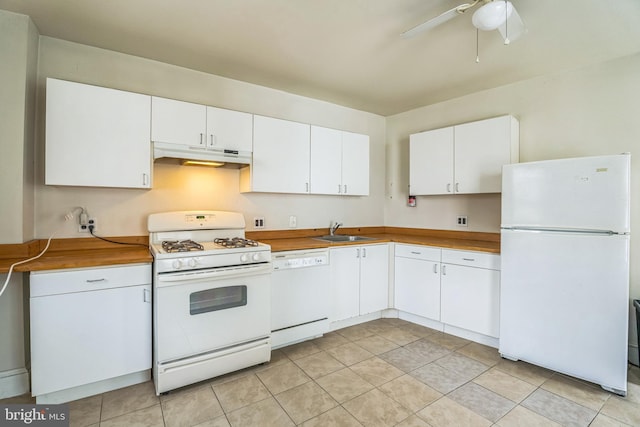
181	246
235	242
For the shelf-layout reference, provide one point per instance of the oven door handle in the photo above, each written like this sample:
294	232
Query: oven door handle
198	275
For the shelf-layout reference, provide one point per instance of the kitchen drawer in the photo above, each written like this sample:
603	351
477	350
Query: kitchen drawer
418	252
471	259
53	282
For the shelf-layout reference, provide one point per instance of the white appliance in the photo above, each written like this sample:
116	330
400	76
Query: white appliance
564	297
211	297
300	296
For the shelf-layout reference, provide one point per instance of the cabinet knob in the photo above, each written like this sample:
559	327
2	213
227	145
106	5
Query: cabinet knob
435	268
457	187
213	140
448	187
201	139
444	270
345	189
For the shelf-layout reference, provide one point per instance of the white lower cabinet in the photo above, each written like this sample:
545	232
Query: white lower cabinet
471	291
457	288
417	280
89	326
359	280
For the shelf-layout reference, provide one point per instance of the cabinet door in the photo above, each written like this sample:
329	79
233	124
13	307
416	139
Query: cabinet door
178	122
229	130
326	161
280	156
417	287
471	298
85	337
345	282
374	278
355	164
481	149
431	162
96	137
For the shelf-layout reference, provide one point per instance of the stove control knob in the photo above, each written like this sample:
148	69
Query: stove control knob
177	264
256	257
193	262
244	258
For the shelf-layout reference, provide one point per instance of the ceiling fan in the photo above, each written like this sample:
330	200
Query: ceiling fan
498	15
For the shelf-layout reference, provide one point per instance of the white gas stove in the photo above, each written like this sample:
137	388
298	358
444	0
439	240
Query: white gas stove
211	297
187	240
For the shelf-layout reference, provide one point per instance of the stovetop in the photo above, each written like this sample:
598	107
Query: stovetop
202	239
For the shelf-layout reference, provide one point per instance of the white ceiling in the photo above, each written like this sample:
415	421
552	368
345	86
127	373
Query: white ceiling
346	51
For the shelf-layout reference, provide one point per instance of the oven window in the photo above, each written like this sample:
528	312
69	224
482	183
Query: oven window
217	299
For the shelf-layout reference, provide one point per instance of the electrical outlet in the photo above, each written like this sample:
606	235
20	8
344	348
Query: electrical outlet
461	221
258	222
293	221
84	228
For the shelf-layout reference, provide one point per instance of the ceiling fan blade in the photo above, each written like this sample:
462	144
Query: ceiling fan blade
434	22
513	28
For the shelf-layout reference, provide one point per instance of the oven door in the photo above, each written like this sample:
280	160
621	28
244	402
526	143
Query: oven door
207	310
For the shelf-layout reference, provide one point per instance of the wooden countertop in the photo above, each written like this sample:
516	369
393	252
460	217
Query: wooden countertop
89	252
75	253
286	240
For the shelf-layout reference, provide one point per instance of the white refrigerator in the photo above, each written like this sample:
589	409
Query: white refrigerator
564	297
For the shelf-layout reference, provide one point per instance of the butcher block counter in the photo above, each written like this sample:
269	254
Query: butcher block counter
89	252
75	253
289	240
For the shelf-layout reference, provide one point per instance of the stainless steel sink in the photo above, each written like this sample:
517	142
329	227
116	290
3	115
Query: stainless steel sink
344	238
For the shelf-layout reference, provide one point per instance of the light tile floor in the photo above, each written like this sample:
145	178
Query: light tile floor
386	372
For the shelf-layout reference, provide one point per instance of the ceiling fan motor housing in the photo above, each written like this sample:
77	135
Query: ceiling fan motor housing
492	15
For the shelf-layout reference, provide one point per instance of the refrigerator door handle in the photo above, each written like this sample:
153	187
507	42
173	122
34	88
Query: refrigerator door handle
561	230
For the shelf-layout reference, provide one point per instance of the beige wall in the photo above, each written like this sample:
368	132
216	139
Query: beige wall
124	211
18	50
589	111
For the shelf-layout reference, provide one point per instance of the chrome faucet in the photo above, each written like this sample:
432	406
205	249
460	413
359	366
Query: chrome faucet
334	228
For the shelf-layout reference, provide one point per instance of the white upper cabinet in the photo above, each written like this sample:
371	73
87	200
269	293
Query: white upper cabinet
178	122
326	160
229	130
280	157
200	126
463	159
481	149
96	137
431	162
339	162
355	164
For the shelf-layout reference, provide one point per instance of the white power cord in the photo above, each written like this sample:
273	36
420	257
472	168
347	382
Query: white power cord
68	216
6	282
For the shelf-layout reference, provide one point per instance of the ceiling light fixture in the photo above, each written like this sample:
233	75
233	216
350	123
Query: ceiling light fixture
492	15
201	163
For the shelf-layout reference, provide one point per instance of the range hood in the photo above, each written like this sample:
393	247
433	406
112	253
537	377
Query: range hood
176	153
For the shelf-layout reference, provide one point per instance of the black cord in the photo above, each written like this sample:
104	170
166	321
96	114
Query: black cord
113	241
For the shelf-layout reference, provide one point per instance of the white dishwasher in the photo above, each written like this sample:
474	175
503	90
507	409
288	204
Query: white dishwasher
300	296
